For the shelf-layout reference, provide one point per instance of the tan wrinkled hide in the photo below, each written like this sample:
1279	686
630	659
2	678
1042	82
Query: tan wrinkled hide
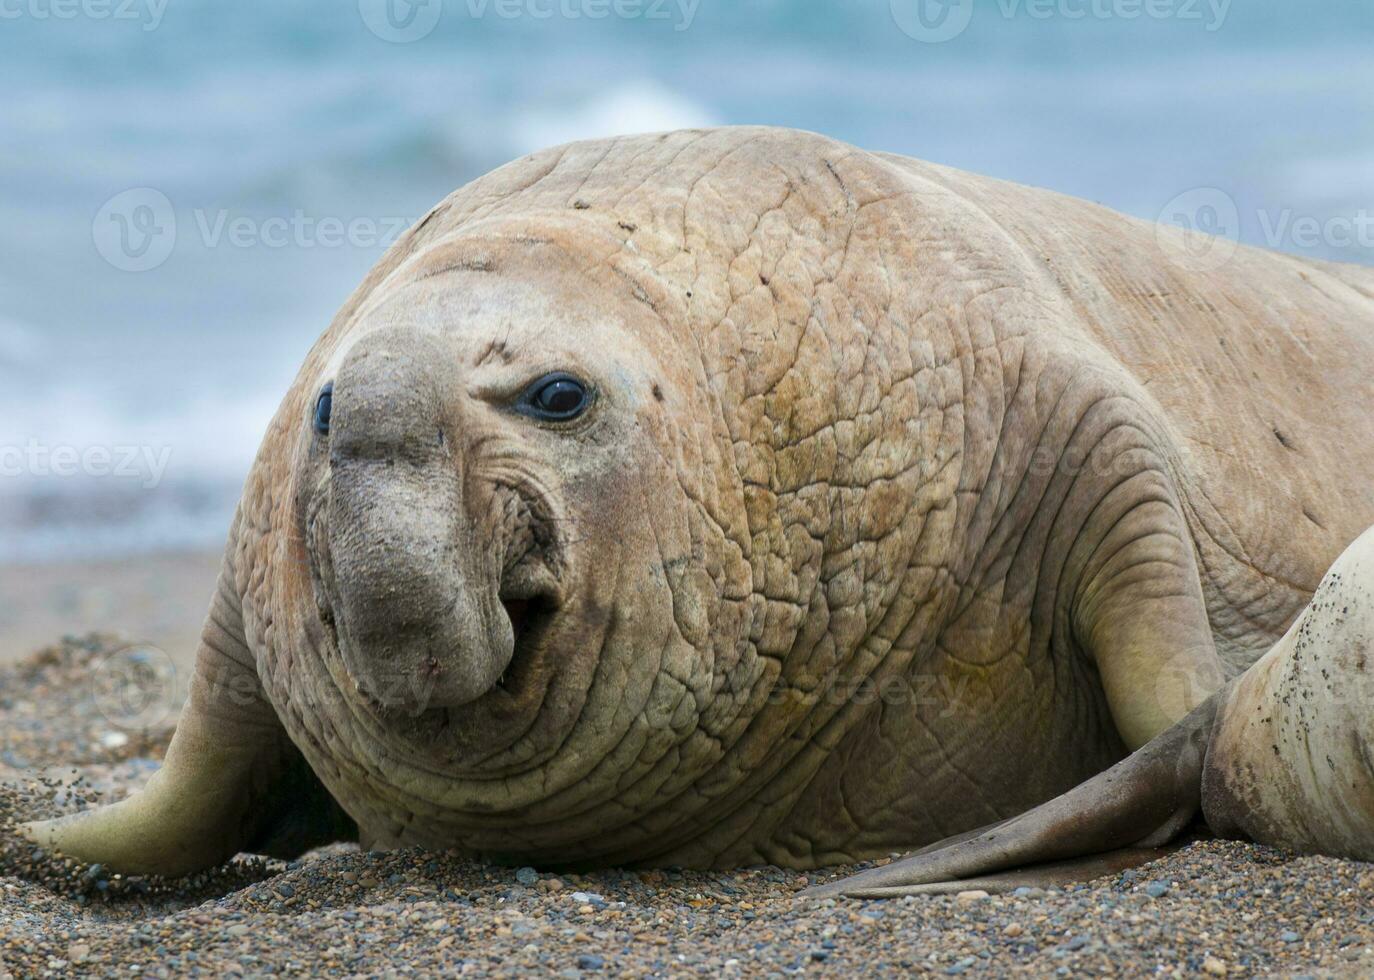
1290	761
909	499
982	444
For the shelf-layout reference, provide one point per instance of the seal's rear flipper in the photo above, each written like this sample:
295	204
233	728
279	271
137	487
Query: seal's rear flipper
232	780
1050	875
1116	820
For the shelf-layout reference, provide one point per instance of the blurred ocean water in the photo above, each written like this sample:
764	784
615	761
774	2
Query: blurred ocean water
260	156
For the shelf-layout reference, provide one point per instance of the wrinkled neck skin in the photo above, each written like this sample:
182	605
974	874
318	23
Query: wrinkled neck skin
629	639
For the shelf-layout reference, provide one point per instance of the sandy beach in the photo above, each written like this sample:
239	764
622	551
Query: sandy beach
1211	909
158	599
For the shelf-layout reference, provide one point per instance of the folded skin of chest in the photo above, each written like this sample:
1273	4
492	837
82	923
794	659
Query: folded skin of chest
732	496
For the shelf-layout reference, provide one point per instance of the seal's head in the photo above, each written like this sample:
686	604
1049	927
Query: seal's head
514	572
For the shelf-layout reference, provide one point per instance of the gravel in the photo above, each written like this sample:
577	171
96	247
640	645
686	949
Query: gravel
1214	908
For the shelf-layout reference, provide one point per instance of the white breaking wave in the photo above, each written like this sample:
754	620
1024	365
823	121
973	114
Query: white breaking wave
1336	179
214	438
637	106
79	479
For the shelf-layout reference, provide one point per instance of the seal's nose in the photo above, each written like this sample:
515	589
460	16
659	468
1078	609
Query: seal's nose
415	594
389	404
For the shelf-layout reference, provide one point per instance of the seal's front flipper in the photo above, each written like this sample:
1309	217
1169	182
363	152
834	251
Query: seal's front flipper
1116	820
232	780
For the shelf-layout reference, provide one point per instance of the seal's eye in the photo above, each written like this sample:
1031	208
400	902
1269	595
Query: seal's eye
324	407
555	398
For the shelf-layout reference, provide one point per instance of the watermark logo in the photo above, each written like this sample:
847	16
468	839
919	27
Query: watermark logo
135	687
1183	683
401	21
135	231
147	13
932	21
1199	229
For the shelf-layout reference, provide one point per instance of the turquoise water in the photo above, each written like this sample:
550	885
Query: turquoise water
296	111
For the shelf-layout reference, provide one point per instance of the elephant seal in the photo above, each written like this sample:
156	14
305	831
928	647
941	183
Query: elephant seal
732	496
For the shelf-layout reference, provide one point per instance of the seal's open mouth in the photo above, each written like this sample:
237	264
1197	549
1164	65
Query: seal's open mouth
530	587
529	619
518	611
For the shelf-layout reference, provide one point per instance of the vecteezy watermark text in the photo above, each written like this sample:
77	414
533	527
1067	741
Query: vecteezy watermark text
937	695
1201	228
149	13
1211	14
1286	227
403	21
935	21
129	462
300	230
410	693
137	230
